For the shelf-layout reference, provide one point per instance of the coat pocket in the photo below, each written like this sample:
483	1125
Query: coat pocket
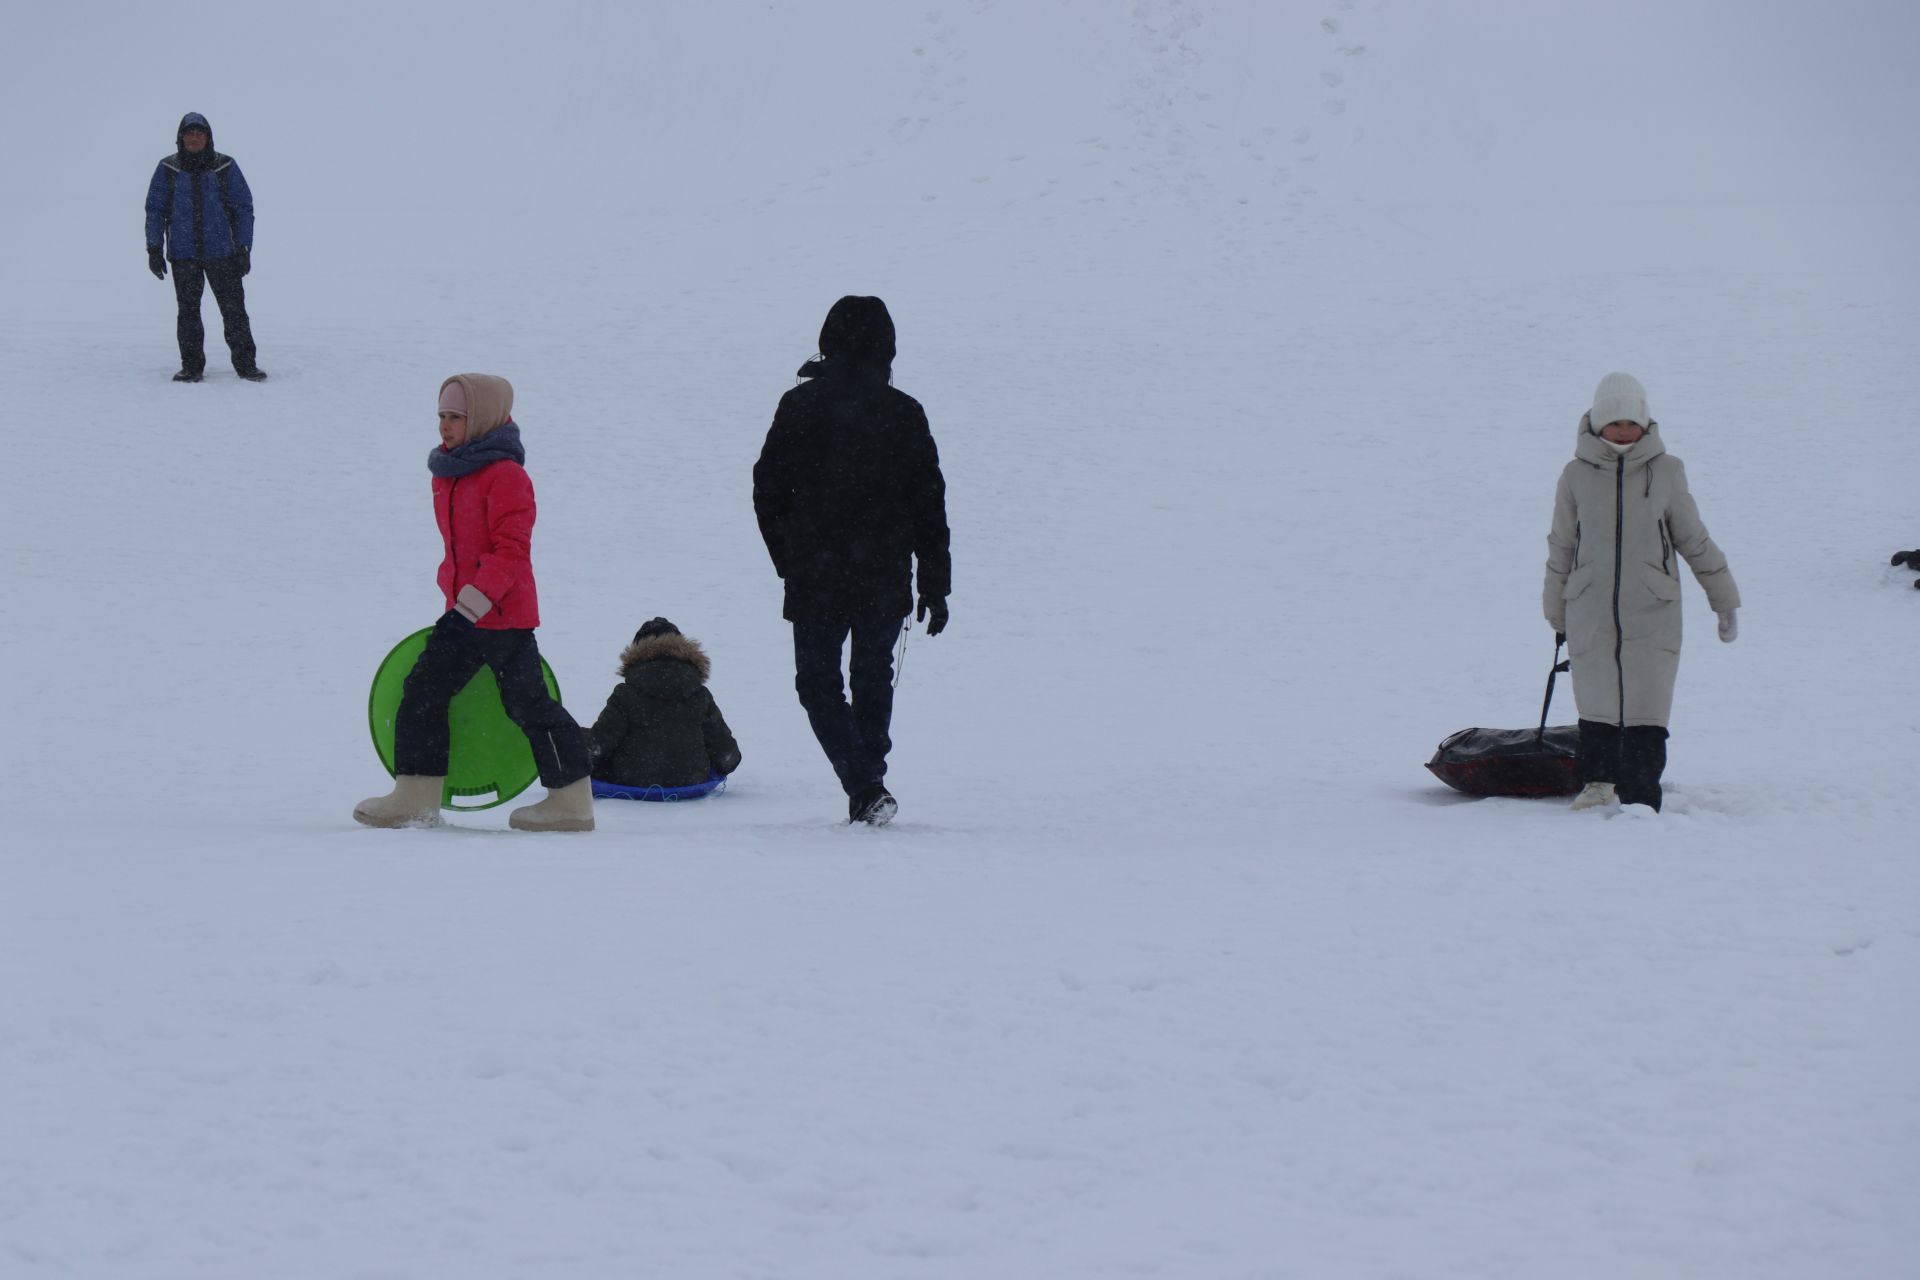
1661	585
1578	581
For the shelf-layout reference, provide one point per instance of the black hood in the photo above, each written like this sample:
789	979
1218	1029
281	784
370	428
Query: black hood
180	144
857	334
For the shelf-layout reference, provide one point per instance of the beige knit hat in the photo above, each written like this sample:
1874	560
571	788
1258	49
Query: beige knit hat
1619	398
485	398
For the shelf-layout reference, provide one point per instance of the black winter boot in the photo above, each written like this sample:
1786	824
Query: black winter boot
873	805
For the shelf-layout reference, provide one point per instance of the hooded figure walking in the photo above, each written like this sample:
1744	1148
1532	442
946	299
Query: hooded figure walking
200	218
1622	521
849	496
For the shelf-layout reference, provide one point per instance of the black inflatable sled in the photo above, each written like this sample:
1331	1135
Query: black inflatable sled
1513	762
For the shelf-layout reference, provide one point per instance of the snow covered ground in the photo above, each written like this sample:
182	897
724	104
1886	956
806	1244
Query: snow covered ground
1254	337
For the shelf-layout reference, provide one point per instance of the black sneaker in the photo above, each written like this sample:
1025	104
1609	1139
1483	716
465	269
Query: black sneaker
186	375
252	375
872	805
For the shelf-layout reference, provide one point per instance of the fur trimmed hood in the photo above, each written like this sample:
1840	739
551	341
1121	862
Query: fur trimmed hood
672	647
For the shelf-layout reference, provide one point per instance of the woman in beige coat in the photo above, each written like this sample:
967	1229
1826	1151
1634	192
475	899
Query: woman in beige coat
1622	521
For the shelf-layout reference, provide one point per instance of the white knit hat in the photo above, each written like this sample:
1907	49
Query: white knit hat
1619	398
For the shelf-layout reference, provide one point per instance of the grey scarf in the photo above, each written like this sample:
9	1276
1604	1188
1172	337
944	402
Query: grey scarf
501	442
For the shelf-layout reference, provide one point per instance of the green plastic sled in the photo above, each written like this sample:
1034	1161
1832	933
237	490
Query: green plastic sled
489	762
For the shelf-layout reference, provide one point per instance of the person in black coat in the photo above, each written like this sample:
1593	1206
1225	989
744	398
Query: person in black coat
849	495
661	727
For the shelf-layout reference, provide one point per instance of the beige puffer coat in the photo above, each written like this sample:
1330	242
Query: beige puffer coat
1621	524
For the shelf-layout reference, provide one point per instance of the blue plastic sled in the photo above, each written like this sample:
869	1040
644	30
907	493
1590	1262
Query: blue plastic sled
614	791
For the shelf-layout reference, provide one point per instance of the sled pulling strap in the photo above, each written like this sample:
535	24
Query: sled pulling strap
1559	638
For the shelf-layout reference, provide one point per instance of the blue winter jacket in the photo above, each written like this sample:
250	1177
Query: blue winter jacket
199	207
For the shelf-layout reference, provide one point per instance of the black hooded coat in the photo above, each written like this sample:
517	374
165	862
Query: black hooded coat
848	489
661	726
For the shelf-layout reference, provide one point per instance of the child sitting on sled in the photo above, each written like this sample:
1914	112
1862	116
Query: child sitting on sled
661	727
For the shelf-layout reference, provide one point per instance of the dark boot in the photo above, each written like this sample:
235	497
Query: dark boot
1643	758
253	375
873	805
186	375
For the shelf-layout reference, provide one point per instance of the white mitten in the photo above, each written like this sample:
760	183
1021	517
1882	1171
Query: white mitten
1729	626
473	606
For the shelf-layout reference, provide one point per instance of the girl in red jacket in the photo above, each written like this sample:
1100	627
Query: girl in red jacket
483	502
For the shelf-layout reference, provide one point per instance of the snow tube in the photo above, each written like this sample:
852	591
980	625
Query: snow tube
488	761
614	791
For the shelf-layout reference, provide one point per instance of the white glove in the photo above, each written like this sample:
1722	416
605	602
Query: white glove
1729	626
472	605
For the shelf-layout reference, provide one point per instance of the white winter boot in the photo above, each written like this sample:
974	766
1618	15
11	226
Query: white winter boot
1593	796
413	802
569	808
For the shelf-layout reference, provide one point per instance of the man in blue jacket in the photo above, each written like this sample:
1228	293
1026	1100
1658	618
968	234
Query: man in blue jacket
200	218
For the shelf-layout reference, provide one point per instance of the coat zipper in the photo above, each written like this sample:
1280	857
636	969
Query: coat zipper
1666	549
199	220
453	547
1619	526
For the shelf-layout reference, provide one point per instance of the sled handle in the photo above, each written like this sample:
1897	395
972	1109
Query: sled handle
1559	638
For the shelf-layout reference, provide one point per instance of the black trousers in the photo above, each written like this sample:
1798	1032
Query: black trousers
853	734
454	652
1632	759
230	293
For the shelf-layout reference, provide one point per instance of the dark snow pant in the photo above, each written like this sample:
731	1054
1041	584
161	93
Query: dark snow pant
228	291
455	651
854	735
1632	759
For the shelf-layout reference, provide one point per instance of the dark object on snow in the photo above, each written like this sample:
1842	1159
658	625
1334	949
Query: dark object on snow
1514	762
848	490
200	218
189	279
661	727
655	627
1911	559
872	805
1631	758
852	505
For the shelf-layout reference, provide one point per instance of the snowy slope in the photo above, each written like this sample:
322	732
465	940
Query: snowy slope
1254	337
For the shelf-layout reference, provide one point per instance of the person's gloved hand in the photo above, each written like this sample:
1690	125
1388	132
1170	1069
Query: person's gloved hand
471	604
245	254
157	263
1729	626
937	608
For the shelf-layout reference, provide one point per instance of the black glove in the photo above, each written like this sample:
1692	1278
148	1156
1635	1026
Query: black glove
245	254
157	263
936	607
